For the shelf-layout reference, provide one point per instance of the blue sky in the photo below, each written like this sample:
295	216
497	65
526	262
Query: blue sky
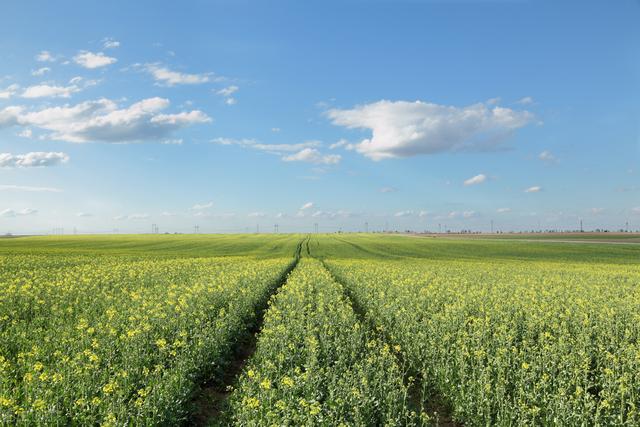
238	114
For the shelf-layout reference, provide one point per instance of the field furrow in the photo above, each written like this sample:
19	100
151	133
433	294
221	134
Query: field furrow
317	364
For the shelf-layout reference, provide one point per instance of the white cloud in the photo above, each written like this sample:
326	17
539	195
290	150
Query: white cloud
388	190
547	157
110	43
312	155
32	159
257	215
596	211
10	213
405	129
134	216
45	90
527	100
40	71
93	60
342	143
201	206
84	214
168	214
307	206
228	91
9	91
503	210
25	188
27	133
534	189
45	56
478	179
139	216
275	129
300	152
164	76
423	214
177	141
102	121
469	214
230	101
403	214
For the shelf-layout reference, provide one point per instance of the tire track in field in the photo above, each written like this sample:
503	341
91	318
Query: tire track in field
418	399
211	400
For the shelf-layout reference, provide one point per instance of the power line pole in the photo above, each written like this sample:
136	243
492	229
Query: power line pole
366	227
581	229
491	226
316	227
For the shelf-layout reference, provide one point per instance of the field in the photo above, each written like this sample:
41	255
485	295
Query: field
318	330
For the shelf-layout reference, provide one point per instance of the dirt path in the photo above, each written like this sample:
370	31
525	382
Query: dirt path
211	401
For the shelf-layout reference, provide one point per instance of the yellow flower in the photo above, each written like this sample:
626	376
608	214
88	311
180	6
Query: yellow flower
265	384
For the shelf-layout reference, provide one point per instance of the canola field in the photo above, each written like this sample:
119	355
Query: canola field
256	330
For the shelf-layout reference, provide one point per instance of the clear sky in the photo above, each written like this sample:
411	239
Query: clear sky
397	113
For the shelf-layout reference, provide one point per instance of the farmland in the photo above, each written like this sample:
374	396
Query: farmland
318	330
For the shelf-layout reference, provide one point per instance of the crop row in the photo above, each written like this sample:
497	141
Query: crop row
113	340
512	343
317	364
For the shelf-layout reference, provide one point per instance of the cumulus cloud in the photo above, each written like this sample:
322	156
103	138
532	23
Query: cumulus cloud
110	43
45	56
10	213
228	91
164	76
547	157
534	189
300	152
478	179
40	71
596	211
102	121
27	133
405	129
312	155
527	100
403	214
32	159
29	189
256	215
307	206
503	210
93	60
230	101
84	214
332	214
9	91
45	90
341	143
